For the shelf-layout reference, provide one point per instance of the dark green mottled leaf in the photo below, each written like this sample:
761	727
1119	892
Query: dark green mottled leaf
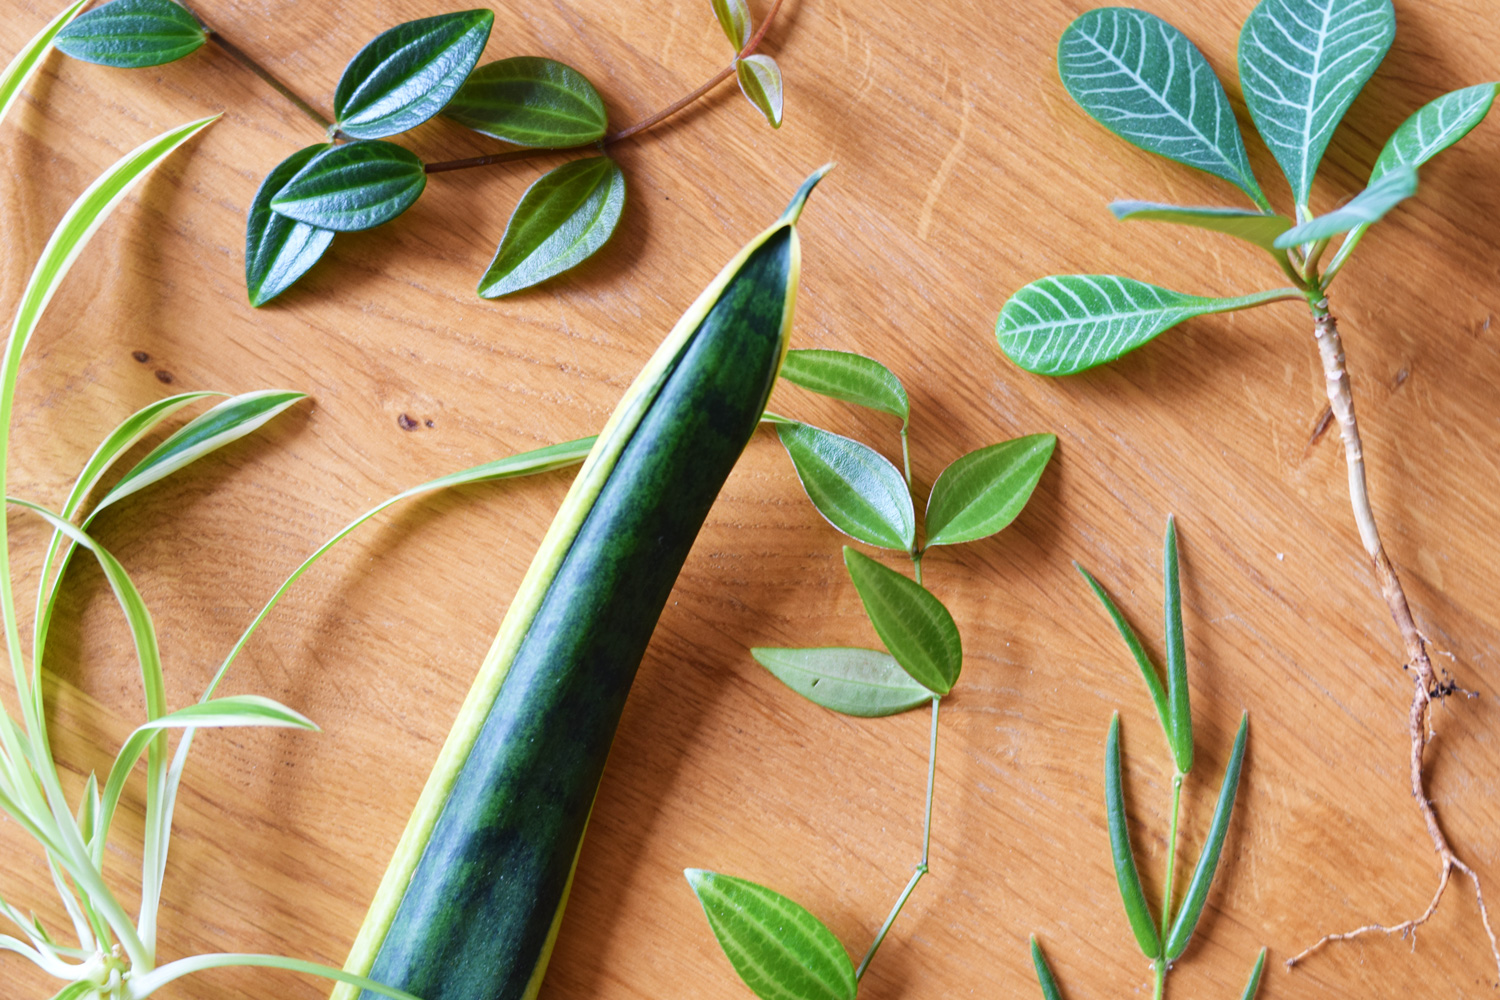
1260	228
855	487
1044	975
1126	874
851	377
734	18
406	75
354	186
530	101
279	249
760	81
1370	205
913	624
131	34
983	491
862	682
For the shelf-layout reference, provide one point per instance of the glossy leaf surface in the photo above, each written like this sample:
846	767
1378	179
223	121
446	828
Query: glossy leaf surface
352	187
26	62
850	377
406	74
1142	661
530	101
854	486
913	624
779	949
734	18
279	249
983	491
1370	205
1126	874
1259	228
130	34
760	82
1044	976
1302	62
1180	733
1067	323
1435	127
862	682
561	221
1145	81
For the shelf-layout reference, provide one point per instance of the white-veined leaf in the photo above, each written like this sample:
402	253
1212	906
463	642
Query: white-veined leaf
1260	228
862	682
850	377
734	18
1436	126
851	484
1369	206
760	81
29	59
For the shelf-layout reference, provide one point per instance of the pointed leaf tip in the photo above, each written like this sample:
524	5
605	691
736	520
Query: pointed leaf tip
794	208
1044	976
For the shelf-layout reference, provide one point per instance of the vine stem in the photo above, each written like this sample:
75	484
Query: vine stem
246	60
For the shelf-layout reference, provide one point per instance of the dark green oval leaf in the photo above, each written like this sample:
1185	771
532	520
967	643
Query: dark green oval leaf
1252	987
862	682
406	75
913	624
1370	205
131	34
1260	228
1044	975
279	249
780	950
1129	879
760	82
530	101
854	486
983	492
1180	733
1434	128
850	377
734	18
560	222
1133	643
354	186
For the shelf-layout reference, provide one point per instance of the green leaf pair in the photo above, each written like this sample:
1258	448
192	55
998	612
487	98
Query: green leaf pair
758	75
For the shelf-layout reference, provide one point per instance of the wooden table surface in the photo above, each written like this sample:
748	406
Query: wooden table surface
964	172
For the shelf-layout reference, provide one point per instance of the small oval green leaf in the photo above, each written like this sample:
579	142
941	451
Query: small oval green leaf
913	624
1126	874
279	249
406	75
779	949
1435	127
352	187
760	81
131	34
530	101
862	682
1370	205
1260	228
1044	975
854	486
1180	734
734	18
985	490
561	221
850	377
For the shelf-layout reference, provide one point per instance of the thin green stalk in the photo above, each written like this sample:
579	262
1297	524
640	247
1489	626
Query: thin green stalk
885	928
916	564
906	456
931	781
1159	977
1166	903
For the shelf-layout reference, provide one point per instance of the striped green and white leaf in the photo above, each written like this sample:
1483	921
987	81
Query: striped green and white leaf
278	248
530	101
1434	128
1365	208
912	623
27	61
779	949
1044	977
351	187
1145	81
734	18
852	485
1067	323
407	73
863	682
132	34
850	377
982	492
1302	63
1137	910
760	82
1260	228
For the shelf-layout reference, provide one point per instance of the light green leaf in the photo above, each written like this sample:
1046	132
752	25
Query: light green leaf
1435	127
1126	874
406	74
1259	228
131	34
530	101
1253	986
780	950
1370	205
1044	975
144	984
1142	661
26	62
983	491
760	82
561	221
1180	733
1067	323
850	377
73	991
354	186
913	624
862	682
278	248
1302	62
856	488
734	18
1142	79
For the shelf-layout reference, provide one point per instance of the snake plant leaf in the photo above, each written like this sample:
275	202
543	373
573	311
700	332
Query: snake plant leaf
982	492
131	34
1259	228
406	74
851	484
1143	661
850	377
1044	976
530	101
354	186
278	248
1302	62
27	61
760	82
913	624
1126	874
1435	127
779	949
1208	860
1370	205
561	221
1180	733
862	682
1068	323
1252	987
1146	82
734	18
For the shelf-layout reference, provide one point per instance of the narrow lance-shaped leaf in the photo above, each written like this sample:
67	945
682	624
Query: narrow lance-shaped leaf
850	377
760	82
852	485
913	624
530	101
561	221
1369	206
1252	987
278	248
861	682
734	18
406	74
1259	228
354	186
1435	127
982	492
1145	81
1067	323
131	34
1044	976
779	949
1181	732
1208	861
1133	643
27	61
1126	874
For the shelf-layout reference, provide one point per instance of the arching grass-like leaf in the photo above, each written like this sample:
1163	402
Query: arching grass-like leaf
1044	976
1252	987
850	377
561	221
760	82
146	983
779	949
854	486
278	248
1145	81
862	682
352	187
1435	127
26	62
1181	732
1259	228
1133	643
983	491
406	74
913	624
1369	206
530	101
734	18
131	34
1067	323
1126	874
1302	62
1208	860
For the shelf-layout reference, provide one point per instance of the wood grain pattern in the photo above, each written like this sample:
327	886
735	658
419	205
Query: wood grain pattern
964	172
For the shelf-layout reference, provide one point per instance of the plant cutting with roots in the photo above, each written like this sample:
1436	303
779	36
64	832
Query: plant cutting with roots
1301	63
